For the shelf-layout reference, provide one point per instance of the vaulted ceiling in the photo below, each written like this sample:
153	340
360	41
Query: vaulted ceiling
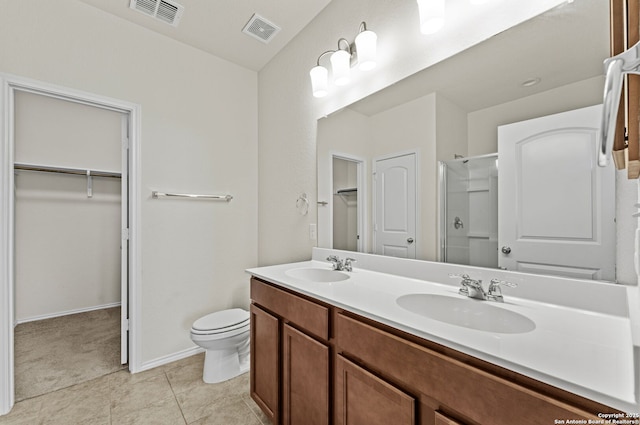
215	26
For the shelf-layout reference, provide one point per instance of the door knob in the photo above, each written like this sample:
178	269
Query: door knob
410	240
506	250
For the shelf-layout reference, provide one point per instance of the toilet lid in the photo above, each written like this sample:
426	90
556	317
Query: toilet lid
232	318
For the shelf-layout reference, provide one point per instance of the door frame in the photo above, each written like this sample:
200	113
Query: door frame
9	84
418	223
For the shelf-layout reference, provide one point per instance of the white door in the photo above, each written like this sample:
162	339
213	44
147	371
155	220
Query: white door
556	206
124	244
395	206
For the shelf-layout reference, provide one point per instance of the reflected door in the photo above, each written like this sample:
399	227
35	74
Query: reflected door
556	206
395	206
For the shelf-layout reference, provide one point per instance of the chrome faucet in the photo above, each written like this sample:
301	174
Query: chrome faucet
472	288
339	264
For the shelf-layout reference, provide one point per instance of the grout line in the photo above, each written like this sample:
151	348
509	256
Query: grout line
175	397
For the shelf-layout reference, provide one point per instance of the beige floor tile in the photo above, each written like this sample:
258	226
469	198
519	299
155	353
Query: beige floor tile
43	349
127	396
87	403
186	377
233	413
204	400
23	413
256	410
163	412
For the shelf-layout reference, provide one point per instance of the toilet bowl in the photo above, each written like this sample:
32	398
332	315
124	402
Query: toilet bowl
225	337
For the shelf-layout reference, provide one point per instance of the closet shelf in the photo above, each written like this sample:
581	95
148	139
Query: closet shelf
63	170
89	174
347	191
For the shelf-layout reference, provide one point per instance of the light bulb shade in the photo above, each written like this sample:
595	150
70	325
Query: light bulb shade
341	67
366	47
431	15
319	81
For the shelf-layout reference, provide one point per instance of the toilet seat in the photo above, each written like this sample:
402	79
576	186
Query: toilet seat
227	321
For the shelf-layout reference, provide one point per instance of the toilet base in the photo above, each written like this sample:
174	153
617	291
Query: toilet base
222	365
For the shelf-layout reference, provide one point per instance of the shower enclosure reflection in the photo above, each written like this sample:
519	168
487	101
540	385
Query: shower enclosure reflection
469	211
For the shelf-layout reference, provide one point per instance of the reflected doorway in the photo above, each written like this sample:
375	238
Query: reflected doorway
347	212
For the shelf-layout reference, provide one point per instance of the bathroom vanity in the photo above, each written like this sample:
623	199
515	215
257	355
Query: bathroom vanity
354	351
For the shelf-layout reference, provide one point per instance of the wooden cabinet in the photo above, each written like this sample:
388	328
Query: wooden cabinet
265	362
441	419
314	364
290	356
305	379
364	399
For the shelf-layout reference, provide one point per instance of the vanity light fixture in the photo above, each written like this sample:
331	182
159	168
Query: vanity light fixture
431	15
362	52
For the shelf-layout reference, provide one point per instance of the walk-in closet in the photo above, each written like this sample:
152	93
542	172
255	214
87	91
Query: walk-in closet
68	218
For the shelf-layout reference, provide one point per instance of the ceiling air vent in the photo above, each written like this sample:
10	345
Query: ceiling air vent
162	10
260	28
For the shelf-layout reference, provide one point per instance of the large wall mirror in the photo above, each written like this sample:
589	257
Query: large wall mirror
381	159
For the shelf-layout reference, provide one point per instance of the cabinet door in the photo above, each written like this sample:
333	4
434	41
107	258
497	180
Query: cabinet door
305	376
364	399
265	358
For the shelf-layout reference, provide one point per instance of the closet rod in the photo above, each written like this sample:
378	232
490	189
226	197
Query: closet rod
62	170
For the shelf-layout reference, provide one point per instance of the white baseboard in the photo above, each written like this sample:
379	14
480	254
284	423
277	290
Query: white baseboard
66	313
160	361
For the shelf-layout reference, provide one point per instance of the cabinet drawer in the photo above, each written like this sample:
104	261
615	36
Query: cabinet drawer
472	392
307	315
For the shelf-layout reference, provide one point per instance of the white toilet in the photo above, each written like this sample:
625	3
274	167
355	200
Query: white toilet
225	336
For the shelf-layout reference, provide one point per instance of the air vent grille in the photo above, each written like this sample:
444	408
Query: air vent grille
162	10
260	28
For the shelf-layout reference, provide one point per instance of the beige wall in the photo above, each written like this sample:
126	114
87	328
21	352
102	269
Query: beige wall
199	134
288	111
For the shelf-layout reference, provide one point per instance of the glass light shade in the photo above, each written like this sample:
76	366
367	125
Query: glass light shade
366	47
431	15
319	81
341	67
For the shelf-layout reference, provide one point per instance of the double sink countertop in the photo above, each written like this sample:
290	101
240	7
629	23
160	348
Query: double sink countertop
589	351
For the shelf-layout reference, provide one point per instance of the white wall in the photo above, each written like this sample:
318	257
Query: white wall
288	111
483	124
412	127
199	134
345	133
67	244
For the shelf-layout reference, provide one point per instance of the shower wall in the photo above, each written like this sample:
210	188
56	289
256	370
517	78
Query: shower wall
470	228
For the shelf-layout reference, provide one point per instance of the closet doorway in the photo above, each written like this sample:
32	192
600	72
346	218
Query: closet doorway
68	223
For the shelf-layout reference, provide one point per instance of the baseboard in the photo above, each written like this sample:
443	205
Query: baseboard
66	313
160	361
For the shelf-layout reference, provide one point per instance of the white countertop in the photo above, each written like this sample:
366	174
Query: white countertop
584	352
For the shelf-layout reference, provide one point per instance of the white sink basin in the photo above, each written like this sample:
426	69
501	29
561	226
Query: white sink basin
312	274
466	312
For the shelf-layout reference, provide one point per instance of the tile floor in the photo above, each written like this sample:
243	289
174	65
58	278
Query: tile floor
63	351
171	394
